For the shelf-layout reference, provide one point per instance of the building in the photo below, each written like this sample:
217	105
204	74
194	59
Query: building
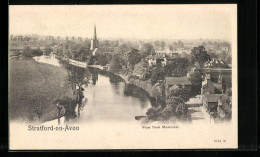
107	50
158	59
191	71
211	101
94	41
154	60
173	54
208	87
181	82
161	54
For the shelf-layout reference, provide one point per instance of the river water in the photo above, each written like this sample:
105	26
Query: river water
107	97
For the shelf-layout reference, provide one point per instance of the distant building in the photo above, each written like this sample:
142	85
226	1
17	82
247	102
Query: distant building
161	54
225	49
159	58
154	60
181	82
106	50
173	54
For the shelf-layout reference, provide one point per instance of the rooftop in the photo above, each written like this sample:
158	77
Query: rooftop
213	97
177	80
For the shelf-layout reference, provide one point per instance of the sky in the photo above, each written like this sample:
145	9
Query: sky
125	21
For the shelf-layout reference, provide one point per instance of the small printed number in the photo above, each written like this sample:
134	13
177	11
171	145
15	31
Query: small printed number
219	141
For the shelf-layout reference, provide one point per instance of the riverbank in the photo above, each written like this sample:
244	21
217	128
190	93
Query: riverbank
145	85
34	87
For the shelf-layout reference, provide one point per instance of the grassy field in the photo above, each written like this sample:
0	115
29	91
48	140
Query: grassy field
34	86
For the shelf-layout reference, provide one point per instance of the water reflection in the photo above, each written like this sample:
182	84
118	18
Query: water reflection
107	96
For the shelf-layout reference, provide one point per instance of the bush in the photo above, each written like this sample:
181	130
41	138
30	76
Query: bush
28	52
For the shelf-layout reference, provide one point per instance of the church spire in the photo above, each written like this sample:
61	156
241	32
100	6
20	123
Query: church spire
95	33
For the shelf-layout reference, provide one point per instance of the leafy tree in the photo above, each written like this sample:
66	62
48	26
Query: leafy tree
196	80
47	50
178	93
27	51
159	45
147	49
37	52
175	106
177	67
116	63
212	54
78	77
196	77
102	59
200	55
175	101
157	74
226	57
133	57
142	68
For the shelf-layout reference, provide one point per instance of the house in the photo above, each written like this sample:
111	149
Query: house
181	82
225	49
191	71
211	101
161	54
153	60
173	55
105	68
208	87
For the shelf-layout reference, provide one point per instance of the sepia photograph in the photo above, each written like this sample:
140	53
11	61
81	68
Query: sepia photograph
95	77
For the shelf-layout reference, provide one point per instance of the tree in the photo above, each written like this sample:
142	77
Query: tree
157	74
200	55
142	68
147	49
159	45
196	77
27	51
37	52
175	101
102	59
175	106
177	67
196	80
47	50
78	77
133	57
116	63
178	93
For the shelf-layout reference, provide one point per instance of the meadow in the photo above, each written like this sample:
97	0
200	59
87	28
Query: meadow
33	89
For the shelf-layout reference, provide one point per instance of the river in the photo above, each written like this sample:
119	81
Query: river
107	97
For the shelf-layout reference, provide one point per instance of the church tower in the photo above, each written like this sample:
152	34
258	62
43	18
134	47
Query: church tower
94	41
